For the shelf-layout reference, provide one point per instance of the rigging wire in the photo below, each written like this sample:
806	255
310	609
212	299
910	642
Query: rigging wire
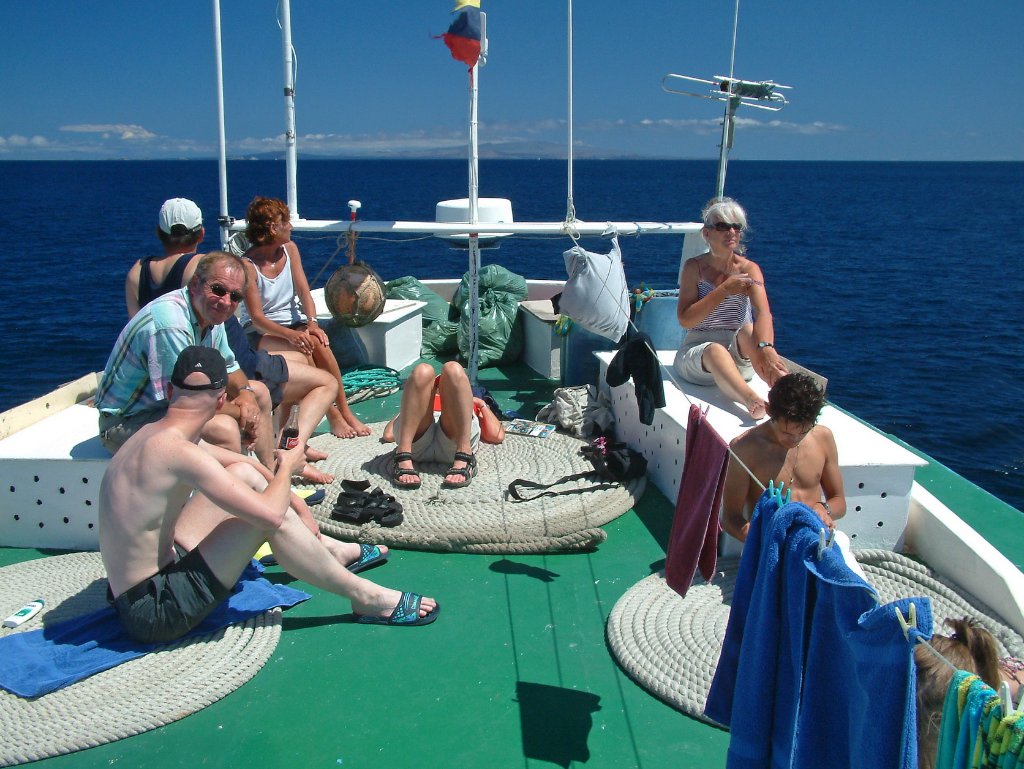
570	208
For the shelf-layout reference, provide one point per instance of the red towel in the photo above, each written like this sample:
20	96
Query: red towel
694	538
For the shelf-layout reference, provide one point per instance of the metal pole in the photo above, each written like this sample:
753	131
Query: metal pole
570	206
222	154
290	157
474	217
730	112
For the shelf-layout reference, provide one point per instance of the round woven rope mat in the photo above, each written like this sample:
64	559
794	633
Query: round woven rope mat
478	518
670	644
134	697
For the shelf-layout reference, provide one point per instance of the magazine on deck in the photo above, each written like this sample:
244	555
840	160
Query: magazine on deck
528	427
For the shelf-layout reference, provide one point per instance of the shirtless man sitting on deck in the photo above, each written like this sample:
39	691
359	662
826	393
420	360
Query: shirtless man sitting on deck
145	512
788	449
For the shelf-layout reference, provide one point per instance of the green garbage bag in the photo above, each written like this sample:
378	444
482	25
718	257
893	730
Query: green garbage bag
439	333
409	287
440	338
500	333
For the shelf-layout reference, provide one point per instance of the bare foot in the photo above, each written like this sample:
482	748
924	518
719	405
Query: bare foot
356	425
757	408
313	475
315	455
340	427
346	553
383	601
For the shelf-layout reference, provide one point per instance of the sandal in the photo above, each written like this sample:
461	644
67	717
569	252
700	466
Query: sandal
401	472
359	507
468	472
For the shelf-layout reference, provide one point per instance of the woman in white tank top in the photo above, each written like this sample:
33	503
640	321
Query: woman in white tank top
279	314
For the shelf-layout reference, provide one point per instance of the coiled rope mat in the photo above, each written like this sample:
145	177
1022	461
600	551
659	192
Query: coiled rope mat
478	518
134	697
670	645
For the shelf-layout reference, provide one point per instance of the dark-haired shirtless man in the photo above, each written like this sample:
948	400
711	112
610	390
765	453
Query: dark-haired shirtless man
789	449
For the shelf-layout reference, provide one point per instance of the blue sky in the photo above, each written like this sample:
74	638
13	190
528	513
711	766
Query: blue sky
872	80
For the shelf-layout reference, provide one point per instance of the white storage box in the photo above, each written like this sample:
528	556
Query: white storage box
395	337
543	347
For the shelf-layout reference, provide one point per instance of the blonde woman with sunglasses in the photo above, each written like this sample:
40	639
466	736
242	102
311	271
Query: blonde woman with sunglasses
724	308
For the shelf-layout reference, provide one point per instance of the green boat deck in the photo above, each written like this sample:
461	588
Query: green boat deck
515	672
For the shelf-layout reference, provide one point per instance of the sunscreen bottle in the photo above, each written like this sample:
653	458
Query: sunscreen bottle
25	613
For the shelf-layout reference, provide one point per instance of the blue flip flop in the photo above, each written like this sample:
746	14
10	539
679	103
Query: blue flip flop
369	556
406	614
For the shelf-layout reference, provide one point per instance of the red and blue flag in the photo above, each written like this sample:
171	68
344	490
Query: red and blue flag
463	36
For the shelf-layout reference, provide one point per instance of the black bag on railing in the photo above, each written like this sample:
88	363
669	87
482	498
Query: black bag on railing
614	463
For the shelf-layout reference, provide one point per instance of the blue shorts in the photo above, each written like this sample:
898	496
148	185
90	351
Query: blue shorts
272	370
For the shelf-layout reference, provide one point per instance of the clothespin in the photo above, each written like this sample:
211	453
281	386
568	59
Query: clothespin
1005	699
908	622
825	540
776	492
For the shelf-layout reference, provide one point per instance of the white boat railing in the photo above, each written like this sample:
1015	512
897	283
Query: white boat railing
575	228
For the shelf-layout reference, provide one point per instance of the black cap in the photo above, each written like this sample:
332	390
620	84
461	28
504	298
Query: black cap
204	360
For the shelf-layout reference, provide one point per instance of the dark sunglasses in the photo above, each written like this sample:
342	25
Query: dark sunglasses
725	226
218	290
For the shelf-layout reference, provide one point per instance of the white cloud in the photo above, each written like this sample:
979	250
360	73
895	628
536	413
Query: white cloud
112	130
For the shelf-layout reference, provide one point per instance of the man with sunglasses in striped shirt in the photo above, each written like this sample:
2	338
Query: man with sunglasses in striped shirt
133	388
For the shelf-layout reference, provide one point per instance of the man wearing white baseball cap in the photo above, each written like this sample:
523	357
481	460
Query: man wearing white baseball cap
180	230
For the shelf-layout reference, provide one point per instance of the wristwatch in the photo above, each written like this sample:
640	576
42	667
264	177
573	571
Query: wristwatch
247	387
762	345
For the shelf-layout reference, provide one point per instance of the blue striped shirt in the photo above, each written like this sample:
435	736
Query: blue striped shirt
140	365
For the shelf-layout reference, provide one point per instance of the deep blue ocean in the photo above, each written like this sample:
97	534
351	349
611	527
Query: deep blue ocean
874	270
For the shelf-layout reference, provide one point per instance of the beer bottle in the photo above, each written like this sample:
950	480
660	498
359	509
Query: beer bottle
290	433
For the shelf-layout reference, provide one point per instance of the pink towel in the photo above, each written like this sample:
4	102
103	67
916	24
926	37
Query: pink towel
694	538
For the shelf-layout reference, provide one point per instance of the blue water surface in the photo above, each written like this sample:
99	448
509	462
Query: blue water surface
900	282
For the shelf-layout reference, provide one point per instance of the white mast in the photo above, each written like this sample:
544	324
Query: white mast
222	164
474	214
289	107
729	119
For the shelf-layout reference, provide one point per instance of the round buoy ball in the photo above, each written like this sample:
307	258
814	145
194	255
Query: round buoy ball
355	294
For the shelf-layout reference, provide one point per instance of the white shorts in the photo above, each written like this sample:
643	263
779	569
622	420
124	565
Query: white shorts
435	445
688	363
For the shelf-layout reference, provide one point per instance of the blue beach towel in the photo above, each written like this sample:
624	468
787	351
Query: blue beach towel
756	690
813	672
858	708
37	662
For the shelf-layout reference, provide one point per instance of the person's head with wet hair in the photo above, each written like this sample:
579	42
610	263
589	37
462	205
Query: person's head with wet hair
969	647
796	398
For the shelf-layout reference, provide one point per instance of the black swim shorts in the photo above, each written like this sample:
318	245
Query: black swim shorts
272	370
171	602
